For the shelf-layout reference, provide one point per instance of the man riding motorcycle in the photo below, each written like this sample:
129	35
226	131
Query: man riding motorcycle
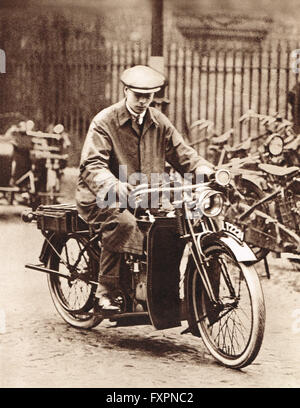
126	139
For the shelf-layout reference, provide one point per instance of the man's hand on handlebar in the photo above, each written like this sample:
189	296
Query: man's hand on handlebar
123	190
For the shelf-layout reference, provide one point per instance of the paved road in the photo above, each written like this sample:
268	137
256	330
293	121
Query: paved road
39	350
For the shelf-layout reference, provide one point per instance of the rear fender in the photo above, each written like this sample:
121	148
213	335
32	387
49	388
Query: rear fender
53	241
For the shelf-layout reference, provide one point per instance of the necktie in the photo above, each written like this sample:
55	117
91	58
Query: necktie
138	119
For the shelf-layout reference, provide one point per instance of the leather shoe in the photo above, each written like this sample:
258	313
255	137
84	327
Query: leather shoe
107	305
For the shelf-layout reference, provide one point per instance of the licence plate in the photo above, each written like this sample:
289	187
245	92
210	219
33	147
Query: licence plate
234	230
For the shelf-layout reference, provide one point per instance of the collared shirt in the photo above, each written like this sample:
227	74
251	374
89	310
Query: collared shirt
114	140
138	117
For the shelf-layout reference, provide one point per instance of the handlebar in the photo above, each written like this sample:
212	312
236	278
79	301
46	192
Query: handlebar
267	120
203	124
39	154
221	176
218	140
42	135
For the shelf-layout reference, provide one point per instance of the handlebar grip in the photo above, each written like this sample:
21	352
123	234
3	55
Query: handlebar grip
28	216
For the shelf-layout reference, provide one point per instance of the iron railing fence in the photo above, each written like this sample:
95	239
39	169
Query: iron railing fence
70	81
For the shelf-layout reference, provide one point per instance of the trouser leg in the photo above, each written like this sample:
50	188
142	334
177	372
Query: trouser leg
120	233
109	272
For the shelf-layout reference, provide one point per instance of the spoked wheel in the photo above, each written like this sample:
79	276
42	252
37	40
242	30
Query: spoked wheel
233	329
252	194
74	299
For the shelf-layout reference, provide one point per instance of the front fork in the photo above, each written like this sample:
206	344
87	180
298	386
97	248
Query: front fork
227	238
194	242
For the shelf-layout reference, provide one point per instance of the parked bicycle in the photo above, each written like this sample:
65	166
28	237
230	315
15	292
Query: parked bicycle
271	219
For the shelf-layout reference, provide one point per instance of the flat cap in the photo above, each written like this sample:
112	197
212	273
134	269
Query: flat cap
142	79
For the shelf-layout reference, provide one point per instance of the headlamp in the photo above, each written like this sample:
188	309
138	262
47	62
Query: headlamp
210	202
223	177
275	145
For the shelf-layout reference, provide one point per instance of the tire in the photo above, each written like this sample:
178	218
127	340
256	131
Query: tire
252	194
65	293
223	330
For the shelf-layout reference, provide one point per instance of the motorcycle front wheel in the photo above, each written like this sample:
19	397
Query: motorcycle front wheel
73	298
233	329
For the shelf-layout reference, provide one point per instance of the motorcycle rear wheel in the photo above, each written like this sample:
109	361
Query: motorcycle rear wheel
73	299
234	334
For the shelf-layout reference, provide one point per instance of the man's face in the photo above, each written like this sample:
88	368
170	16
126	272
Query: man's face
138	102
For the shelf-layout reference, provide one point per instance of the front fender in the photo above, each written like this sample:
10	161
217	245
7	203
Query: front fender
239	249
259	182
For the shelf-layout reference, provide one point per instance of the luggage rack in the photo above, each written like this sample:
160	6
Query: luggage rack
58	218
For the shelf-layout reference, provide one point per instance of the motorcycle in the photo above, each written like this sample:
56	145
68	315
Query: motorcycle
214	147
221	298
280	145
265	202
268	212
32	163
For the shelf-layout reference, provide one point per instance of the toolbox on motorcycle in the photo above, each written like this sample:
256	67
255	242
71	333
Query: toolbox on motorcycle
58	218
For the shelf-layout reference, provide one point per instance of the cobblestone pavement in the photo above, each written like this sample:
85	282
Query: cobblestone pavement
38	349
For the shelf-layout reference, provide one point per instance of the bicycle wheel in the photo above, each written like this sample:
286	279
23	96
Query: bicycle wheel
73	299
233	330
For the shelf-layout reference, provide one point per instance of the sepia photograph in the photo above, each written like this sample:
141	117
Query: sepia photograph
149	196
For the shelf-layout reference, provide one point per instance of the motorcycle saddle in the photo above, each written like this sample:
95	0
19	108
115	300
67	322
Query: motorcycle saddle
241	146
278	170
217	140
